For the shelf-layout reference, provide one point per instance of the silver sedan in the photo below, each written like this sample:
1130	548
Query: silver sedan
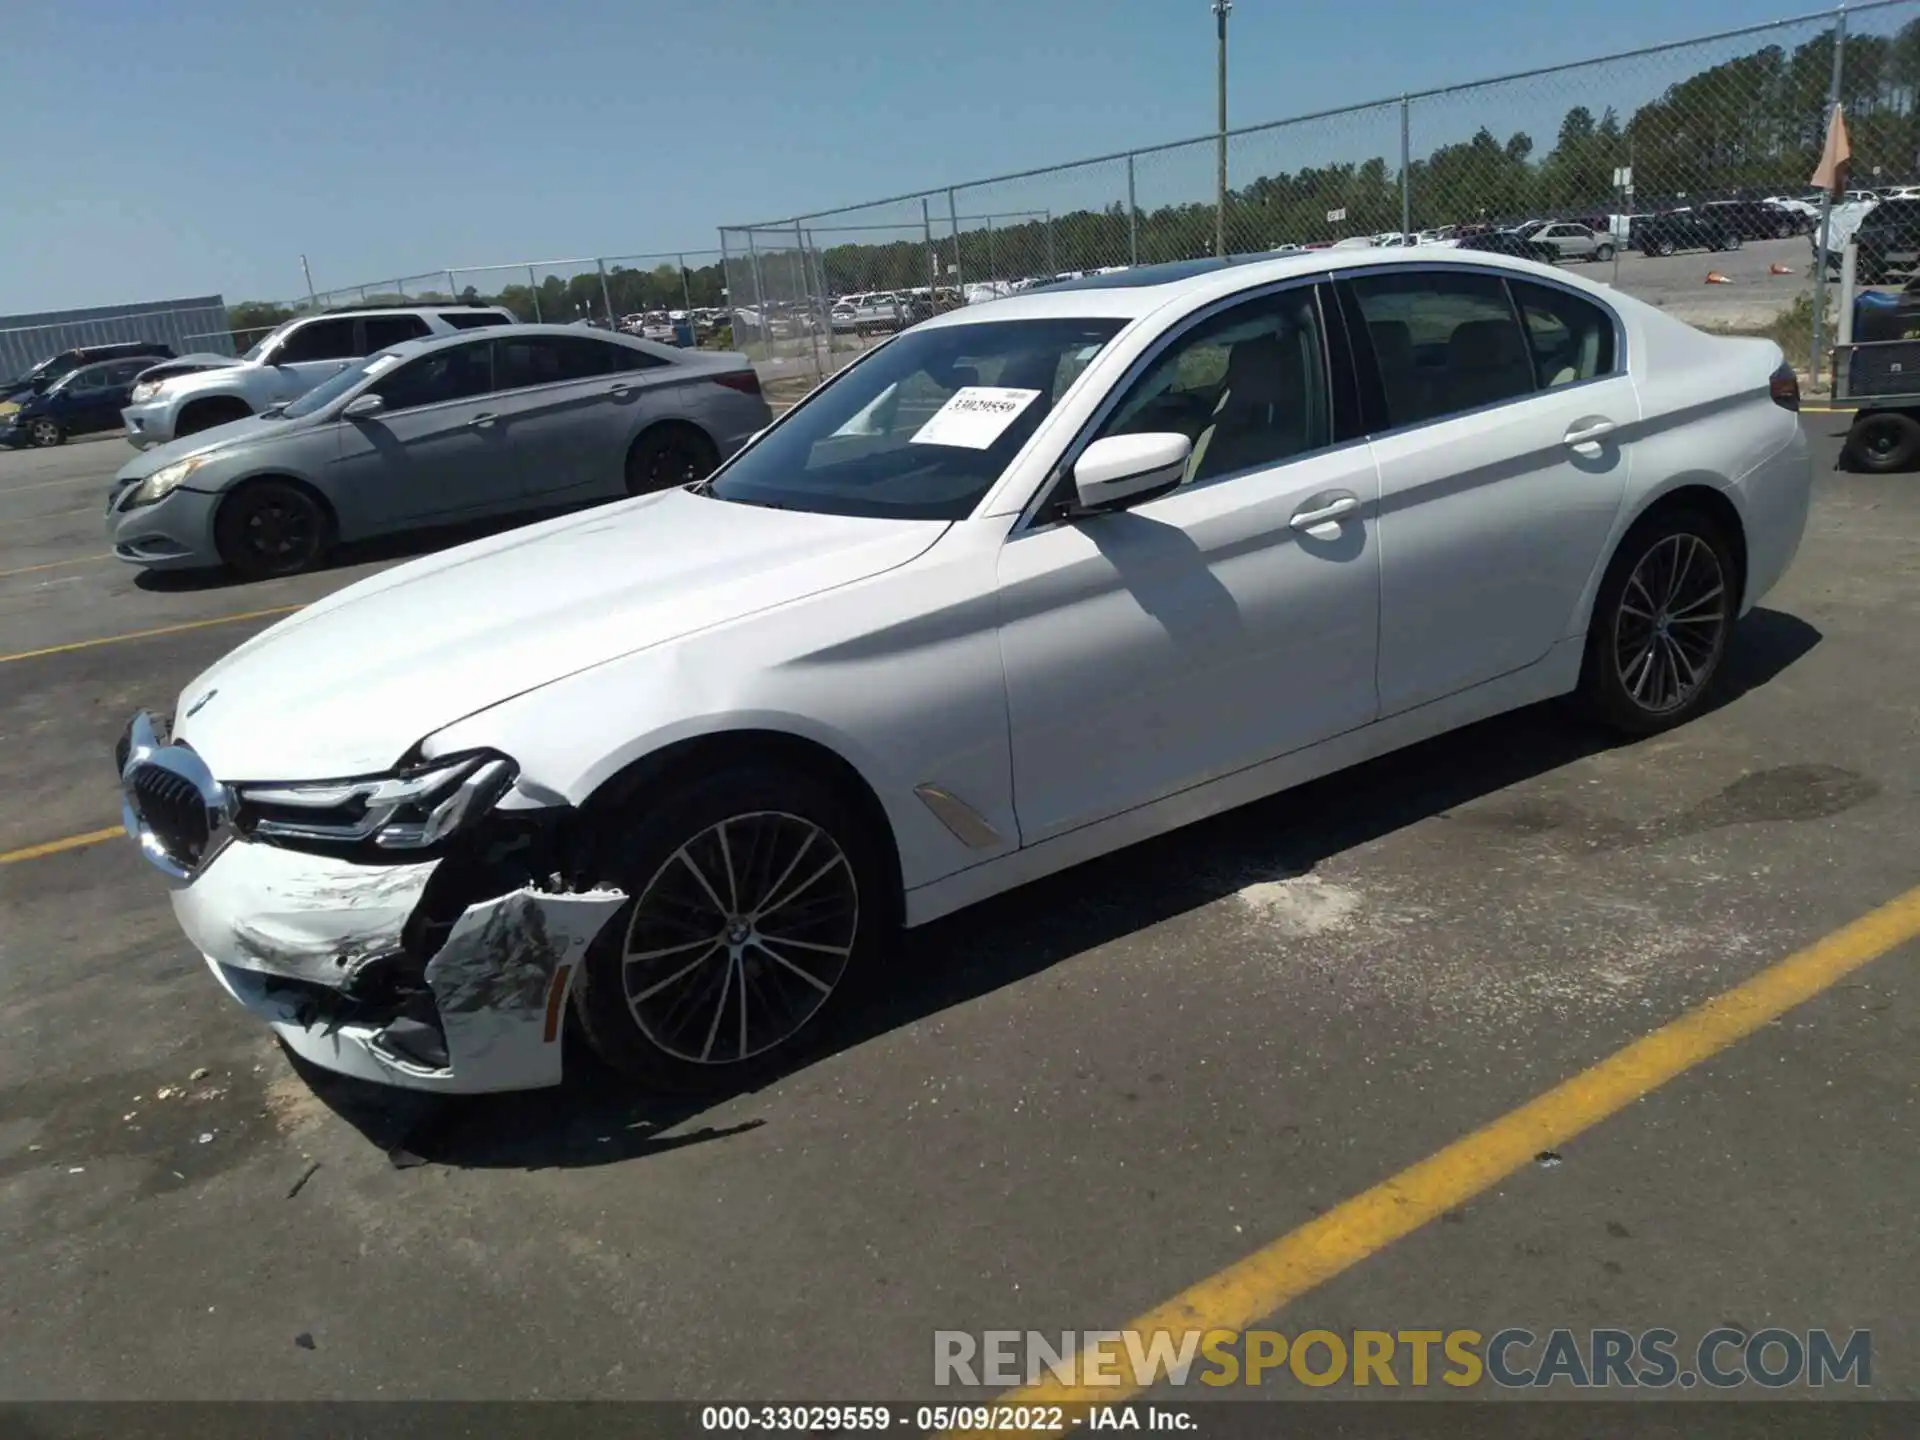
434	432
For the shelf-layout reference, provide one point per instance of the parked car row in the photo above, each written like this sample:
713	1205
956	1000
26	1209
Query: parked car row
455	421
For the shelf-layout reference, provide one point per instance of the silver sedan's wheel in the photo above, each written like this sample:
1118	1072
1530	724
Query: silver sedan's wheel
1671	623
740	937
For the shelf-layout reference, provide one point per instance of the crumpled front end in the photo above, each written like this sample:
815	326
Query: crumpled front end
354	968
448	972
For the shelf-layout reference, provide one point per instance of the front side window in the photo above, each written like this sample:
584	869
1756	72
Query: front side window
1248	387
320	340
1444	342
1571	339
923	427
458	373
81	382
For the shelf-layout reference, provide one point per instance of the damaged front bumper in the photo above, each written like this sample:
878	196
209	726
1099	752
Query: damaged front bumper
449	973
327	953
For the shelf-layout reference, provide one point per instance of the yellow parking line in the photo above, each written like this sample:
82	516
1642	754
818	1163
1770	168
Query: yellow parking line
1341	1238
54	565
148	634
55	847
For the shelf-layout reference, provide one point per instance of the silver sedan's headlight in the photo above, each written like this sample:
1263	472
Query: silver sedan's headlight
164	481
412	810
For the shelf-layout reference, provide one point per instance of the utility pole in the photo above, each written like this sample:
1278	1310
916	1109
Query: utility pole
312	299
1220	9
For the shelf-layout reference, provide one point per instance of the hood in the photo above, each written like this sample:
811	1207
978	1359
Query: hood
347	686
221	437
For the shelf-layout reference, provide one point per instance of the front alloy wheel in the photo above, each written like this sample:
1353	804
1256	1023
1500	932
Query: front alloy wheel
740	937
43	431
760	896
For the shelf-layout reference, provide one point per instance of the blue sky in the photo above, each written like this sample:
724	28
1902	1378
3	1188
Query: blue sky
204	145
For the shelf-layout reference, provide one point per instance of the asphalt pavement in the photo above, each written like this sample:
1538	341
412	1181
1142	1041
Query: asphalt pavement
1064	1108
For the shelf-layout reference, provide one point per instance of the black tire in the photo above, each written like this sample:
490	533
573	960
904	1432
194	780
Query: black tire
1603	254
652	849
269	528
1654	655
1883	443
669	455
1729	242
1662	248
209	413
1783	230
43	432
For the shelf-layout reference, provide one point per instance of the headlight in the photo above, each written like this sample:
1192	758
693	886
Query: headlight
164	481
145	391
412	810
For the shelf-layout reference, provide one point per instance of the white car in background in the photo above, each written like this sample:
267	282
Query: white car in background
1028	583
285	364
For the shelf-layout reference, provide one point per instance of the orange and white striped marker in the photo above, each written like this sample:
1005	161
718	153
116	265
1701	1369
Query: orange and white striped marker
1714	277
1778	269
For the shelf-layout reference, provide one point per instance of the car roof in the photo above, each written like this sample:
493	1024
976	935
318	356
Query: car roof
1141	290
520	332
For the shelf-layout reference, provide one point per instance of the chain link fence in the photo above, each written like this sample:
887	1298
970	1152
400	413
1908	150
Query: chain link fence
1682	170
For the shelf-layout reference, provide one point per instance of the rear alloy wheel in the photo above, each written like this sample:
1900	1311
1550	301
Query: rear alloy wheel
271	528
44	431
1661	624
1885	443
669	455
756	901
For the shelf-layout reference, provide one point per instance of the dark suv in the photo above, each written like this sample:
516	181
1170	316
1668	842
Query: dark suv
1757	219
54	366
1682	230
1889	241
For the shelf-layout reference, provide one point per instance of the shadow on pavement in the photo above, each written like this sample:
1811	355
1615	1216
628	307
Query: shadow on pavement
596	1118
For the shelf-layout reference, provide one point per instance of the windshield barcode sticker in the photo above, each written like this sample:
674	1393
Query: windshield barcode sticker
974	417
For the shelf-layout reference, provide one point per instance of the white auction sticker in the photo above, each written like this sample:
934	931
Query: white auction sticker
974	417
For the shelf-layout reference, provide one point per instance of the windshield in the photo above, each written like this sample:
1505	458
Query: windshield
331	389
261	345
922	428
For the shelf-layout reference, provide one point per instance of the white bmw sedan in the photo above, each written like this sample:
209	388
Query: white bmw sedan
1029	582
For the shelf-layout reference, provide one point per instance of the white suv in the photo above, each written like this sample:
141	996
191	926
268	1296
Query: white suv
286	364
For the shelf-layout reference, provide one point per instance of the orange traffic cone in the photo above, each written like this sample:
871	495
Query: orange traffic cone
1778	269
1714	277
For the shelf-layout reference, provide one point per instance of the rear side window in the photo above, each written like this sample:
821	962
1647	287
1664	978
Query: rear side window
550	359
385	330
1571	339
473	319
1444	342
459	373
320	340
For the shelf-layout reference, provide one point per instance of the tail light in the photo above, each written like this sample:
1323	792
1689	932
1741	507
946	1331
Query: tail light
1784	386
747	382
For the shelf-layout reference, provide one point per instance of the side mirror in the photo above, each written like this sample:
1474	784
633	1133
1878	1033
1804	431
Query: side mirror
363	407
1123	470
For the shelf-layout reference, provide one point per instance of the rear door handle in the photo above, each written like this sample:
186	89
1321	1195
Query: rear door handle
483	420
1324	515
1586	434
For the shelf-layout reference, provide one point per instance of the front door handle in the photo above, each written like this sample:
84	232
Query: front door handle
619	388
1339	505
483	420
1585	433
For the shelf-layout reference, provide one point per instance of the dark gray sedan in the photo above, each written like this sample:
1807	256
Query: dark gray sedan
433	432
